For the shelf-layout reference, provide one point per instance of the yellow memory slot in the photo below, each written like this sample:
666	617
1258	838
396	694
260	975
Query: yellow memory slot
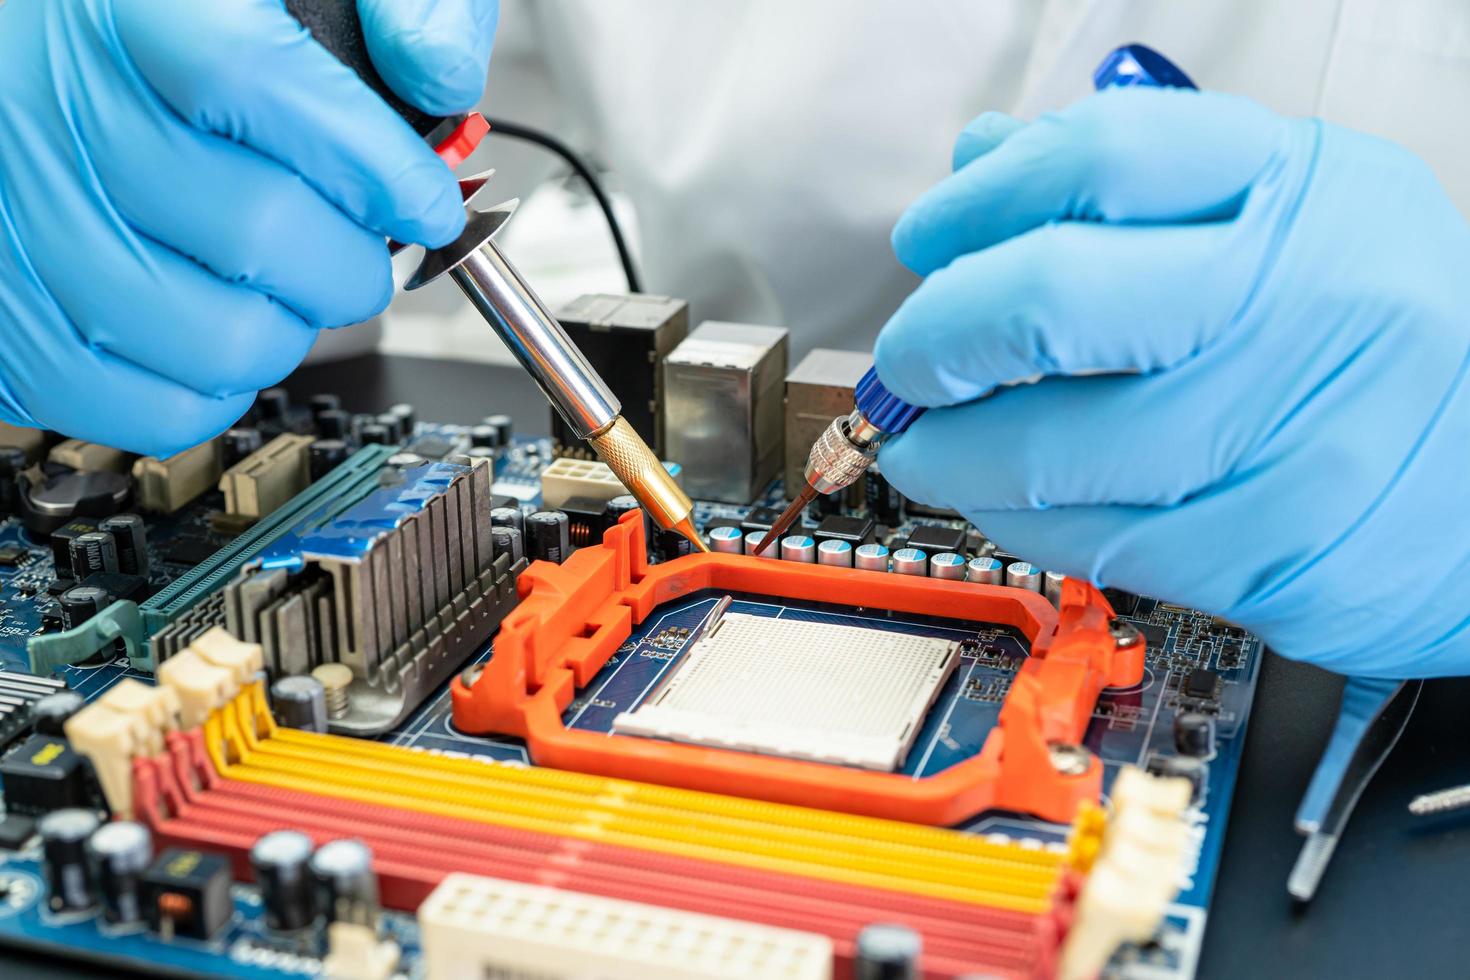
788	839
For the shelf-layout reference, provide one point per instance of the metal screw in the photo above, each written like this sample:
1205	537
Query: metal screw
1124	634
1068	759
1442	801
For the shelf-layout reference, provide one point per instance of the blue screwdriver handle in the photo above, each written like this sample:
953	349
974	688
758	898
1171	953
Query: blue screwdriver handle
1130	66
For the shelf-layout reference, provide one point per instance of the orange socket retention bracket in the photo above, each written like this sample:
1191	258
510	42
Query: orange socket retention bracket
573	617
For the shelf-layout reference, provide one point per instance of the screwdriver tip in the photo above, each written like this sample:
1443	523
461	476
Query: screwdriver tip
787	518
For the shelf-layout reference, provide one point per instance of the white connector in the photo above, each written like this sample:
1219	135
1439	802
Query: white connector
473	927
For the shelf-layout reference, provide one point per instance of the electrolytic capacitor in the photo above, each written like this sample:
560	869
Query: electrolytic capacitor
50	713
130	536
406	417
1194	734
798	547
324	455
300	701
887	952
374	434
334	424
508	517
236	444
280	860
119	853
1051	587
393	424
833	552
503	427
727	540
485	436
910	561
346	885
620	505
324	402
507	541
753	541
271	404
872	557
64	835
948	565
548	536
80	603
885	504
1023	575
669	544
985	571
95	551
12	464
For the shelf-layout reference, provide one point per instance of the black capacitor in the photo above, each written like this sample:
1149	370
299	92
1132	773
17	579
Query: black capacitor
324	455
95	551
671	544
1194	734
323	403
346	887
131	537
49	713
64	835
271	404
405	415
507	541
887	952
61	540
373	434
300	702
280	860
481	452
12	463
239	443
503	426
333	424
119	853
620	505
508	517
485	435
884	502
80	603
548	536
393	424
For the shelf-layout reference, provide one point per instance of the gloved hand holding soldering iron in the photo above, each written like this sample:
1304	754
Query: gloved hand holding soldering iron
1205	352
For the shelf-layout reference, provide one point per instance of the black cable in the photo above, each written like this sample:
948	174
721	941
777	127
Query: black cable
549	142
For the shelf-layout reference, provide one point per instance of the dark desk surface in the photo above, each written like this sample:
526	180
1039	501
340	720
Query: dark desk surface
1392	903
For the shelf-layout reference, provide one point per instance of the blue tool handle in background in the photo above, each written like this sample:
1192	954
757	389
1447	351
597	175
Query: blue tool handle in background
1128	66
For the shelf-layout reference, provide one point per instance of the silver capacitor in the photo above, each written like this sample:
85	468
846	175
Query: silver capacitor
727	540
753	541
300	702
948	565
985	571
1051	587
346	885
910	561
872	557
838	553
1023	575
798	547
119	853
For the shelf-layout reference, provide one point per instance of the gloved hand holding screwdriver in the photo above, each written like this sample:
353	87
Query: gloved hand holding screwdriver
1177	344
190	190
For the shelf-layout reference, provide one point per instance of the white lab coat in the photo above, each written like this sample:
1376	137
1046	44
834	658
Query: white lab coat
768	146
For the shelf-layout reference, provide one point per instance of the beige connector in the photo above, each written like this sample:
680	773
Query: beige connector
1135	872
268	477
127	722
219	647
354	952
200	686
90	457
165	485
30	441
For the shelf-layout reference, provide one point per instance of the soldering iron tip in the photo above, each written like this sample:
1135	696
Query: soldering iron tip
686	528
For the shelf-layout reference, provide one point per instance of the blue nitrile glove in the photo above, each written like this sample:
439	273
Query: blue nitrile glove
189	190
1275	317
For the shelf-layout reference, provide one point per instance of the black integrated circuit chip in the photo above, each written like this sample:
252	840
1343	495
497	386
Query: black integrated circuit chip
10	555
935	539
1201	684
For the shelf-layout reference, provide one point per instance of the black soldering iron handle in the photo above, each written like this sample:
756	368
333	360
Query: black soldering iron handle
335	26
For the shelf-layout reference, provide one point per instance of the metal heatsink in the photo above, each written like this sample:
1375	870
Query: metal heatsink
805	690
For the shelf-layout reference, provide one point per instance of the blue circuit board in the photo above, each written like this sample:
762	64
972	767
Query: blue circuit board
1128	727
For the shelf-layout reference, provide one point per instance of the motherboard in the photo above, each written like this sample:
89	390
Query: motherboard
377	696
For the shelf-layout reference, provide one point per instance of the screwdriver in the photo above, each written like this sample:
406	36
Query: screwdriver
847	447
503	297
